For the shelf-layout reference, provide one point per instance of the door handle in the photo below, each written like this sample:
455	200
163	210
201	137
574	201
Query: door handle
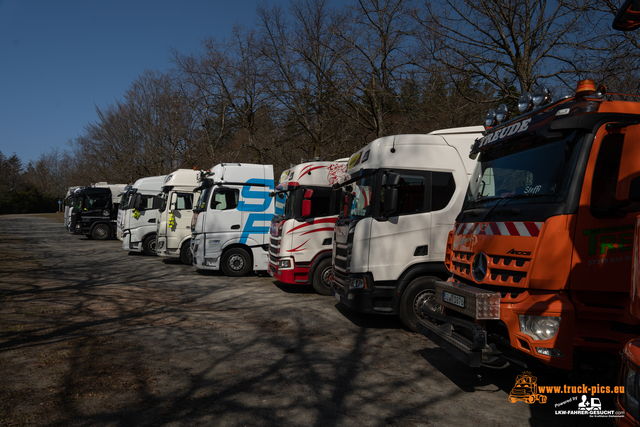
235	227
152	220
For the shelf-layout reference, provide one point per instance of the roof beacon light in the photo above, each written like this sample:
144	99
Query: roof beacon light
490	119
502	113
541	96
585	87
525	102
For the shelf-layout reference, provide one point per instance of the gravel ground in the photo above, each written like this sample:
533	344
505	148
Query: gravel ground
92	335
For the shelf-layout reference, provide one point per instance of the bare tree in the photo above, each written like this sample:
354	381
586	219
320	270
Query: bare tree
378	34
505	42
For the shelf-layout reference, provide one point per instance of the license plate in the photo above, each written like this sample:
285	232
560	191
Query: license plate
453	299
337	296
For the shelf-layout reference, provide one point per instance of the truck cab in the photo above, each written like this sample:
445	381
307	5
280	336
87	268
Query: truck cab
173	220
138	211
95	211
398	203
231	219
541	251
301	238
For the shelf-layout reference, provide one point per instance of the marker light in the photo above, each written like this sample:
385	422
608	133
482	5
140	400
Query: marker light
585	87
601	91
503	113
525	102
490	119
541	96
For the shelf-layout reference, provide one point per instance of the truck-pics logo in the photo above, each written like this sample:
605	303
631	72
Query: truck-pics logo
526	390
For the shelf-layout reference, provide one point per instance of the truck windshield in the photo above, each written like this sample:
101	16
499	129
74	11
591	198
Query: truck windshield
529	170
356	198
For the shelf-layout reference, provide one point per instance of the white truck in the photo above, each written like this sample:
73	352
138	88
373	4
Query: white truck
173	221
139	210
302	237
232	217
70	200
398	205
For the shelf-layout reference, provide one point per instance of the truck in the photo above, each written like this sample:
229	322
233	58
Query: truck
173	220
540	255
397	205
70	200
138	211
96	209
230	225
301	239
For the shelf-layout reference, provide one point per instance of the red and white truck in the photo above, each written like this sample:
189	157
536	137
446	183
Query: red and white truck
301	238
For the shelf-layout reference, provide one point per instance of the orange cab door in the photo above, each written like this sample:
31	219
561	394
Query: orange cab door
603	242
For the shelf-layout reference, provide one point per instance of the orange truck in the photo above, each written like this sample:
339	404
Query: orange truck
630	366
540	254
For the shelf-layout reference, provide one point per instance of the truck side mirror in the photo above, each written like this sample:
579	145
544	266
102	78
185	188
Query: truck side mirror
136	199
390	201
174	198
392	179
306	203
306	208
157	202
628	16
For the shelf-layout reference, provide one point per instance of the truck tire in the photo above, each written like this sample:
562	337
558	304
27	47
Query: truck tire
419	292
149	245
101	232
186	256
236	262
320	279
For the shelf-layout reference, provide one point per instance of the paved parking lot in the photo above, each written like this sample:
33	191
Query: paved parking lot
92	335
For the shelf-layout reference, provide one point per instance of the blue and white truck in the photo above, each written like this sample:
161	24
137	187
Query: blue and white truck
231	220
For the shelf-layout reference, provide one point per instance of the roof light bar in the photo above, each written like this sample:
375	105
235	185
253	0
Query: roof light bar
525	102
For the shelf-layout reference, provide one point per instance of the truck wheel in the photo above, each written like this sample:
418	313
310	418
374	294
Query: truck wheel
321	274
101	232
149	245
186	256
236	262
420	292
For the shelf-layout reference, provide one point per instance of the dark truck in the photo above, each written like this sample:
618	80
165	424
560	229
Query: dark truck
95	211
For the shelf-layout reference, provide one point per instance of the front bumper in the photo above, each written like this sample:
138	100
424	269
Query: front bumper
297	274
360	293
475	340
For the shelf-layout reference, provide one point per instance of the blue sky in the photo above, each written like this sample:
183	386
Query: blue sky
59	59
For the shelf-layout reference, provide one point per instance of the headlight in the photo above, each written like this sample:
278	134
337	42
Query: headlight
285	263
357	283
539	327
